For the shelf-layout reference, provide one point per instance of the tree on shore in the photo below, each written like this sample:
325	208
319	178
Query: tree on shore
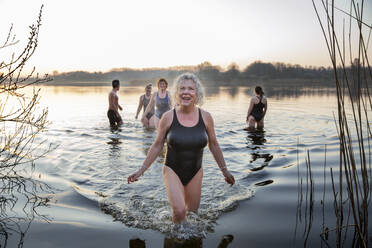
21	120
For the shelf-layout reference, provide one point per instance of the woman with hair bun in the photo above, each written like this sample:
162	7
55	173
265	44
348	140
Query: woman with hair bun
257	109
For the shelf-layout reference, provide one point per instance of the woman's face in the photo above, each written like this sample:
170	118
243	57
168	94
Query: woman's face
187	93
162	85
148	90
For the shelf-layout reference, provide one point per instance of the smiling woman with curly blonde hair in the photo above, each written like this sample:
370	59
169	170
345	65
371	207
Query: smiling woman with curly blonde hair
187	130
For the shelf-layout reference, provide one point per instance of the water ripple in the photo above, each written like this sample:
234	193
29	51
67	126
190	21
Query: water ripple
98	159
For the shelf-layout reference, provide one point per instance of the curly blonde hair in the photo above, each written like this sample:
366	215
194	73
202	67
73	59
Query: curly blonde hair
198	85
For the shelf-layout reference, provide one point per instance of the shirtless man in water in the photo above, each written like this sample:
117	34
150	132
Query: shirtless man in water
113	113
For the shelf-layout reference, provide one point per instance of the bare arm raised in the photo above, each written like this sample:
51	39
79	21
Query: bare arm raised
156	147
214	147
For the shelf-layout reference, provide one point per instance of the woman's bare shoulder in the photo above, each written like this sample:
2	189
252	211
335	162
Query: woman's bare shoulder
254	99
167	117
207	117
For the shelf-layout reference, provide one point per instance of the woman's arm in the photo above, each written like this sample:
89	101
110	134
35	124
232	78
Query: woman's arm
214	147
155	148
139	106
265	109
250	108
150	105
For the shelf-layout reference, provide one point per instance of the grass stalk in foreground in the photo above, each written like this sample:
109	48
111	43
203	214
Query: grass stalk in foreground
352	190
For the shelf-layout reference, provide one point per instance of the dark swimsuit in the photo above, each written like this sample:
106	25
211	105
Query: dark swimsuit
145	102
162	105
257	111
185	147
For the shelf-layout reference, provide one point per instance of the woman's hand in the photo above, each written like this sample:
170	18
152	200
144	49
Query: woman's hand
143	119
134	177
145	122
228	177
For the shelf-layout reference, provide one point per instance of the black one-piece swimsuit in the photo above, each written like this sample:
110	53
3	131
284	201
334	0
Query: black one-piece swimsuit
185	147
257	111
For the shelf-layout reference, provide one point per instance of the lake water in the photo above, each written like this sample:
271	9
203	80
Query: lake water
96	160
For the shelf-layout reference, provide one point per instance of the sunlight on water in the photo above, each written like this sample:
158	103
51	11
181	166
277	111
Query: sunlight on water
93	157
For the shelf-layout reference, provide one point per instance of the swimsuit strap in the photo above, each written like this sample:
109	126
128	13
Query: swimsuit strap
201	121
166	95
175	119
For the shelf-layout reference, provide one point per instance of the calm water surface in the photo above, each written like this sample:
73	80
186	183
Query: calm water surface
97	160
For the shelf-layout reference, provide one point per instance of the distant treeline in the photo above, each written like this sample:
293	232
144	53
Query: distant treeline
256	73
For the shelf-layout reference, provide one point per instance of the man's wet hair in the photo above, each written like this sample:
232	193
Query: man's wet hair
115	83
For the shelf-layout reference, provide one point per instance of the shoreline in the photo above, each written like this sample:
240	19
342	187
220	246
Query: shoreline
299	82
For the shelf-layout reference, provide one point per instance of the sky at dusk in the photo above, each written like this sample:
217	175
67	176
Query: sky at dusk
101	35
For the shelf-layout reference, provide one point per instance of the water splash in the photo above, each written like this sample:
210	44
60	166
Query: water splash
155	213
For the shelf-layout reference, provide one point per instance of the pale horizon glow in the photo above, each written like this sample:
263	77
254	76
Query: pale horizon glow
101	35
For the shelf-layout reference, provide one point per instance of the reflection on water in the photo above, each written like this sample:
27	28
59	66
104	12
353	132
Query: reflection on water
178	243
273	92
148	137
231	91
114	142
96	158
145	203
20	200
259	159
255	138
264	183
114	147
182	243
266	156
296	91
212	91
137	243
